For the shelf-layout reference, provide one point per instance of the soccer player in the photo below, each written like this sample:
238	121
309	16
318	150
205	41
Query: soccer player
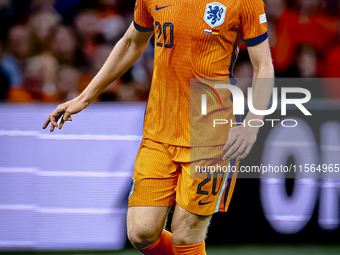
193	39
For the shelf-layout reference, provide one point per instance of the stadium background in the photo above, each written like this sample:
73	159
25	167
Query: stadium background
68	190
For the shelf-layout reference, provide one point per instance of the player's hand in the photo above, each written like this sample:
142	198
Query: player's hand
240	141
64	111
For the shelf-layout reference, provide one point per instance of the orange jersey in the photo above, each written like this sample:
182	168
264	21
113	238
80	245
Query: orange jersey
193	39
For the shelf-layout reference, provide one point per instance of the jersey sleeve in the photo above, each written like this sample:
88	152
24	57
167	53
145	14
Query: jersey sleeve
142	18
253	22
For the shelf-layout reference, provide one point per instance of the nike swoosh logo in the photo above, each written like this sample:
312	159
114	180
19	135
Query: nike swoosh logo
160	8
201	203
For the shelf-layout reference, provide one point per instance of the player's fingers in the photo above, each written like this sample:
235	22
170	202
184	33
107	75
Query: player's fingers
52	128
245	153
232	137
238	152
230	142
61	124
46	122
55	116
232	150
54	121
67	116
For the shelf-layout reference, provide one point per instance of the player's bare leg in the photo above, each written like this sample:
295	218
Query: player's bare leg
145	224
189	229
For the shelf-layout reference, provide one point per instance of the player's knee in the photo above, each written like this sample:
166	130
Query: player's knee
143	236
180	238
187	236
189	229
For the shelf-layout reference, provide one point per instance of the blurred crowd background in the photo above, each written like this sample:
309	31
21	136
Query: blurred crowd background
51	49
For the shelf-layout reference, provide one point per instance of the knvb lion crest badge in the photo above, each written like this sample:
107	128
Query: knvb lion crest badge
215	14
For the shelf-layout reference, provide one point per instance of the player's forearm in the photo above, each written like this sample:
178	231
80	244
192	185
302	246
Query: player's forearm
263	82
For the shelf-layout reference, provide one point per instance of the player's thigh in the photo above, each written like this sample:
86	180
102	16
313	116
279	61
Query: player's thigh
188	228
145	224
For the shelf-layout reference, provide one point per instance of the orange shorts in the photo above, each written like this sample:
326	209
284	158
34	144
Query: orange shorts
164	176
